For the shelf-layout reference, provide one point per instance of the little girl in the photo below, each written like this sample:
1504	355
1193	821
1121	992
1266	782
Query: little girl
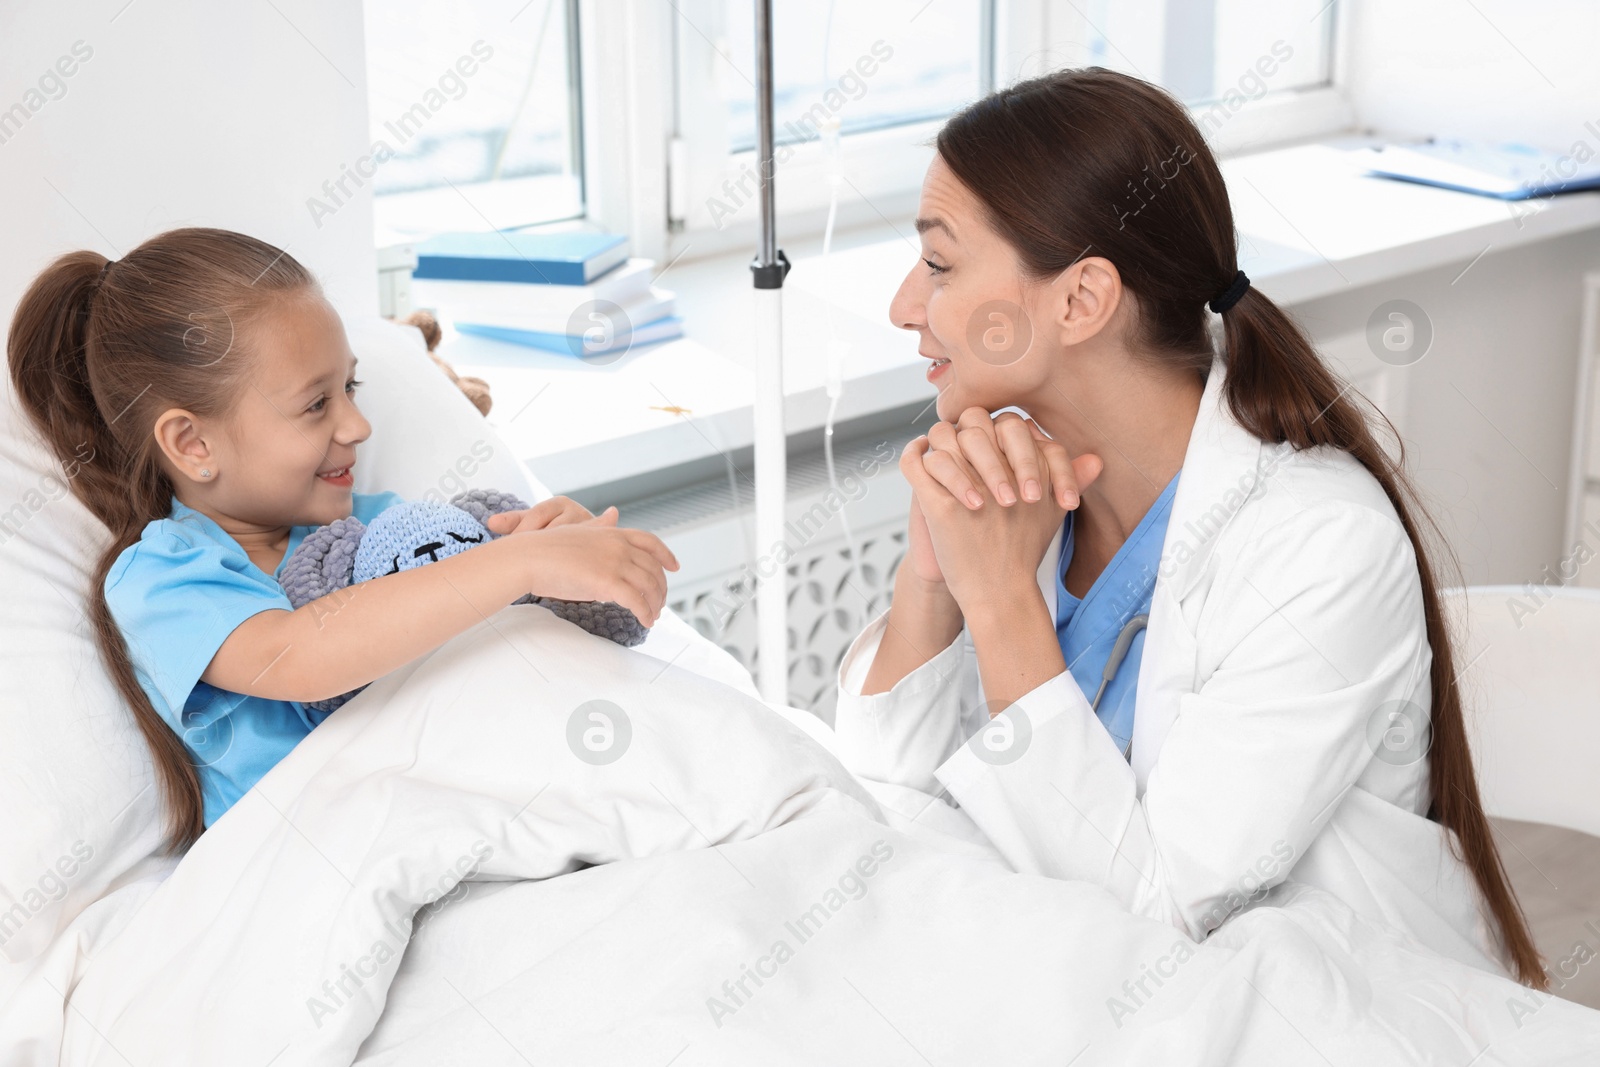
200	391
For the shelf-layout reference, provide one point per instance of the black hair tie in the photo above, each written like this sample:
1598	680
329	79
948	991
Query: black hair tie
103	271
1231	296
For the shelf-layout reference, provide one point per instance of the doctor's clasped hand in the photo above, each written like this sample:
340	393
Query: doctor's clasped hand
971	535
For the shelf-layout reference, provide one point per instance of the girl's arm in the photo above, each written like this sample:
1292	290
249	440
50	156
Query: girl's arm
350	637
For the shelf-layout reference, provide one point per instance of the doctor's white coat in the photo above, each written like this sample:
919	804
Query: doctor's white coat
1280	718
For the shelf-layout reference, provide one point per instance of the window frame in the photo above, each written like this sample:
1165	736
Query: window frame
629	87
433	209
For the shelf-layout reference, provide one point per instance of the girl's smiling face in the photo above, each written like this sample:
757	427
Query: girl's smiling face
283	455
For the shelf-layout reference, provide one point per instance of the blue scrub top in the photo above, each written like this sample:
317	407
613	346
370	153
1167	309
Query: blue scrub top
176	594
1088	628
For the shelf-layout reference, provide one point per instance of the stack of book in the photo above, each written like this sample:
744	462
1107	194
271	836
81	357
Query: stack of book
574	293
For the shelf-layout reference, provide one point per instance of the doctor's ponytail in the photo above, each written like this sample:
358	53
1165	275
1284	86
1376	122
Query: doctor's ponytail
97	350
1092	161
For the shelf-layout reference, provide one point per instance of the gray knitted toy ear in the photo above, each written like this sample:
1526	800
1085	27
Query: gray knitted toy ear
323	563
481	503
603	618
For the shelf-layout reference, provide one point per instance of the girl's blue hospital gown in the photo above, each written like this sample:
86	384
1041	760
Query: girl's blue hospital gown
1088	628
176	594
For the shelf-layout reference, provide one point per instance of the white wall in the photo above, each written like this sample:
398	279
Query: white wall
1521	70
1487	412
186	113
1514	70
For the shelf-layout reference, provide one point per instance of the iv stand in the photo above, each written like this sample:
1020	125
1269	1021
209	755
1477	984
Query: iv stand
768	270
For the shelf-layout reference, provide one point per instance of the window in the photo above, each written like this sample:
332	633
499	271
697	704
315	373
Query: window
660	141
1253	71
881	75
1205	50
868	65
474	113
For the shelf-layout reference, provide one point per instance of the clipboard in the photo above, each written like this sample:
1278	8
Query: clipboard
1505	170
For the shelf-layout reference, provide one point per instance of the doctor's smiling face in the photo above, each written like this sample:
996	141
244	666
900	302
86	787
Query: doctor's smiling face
994	335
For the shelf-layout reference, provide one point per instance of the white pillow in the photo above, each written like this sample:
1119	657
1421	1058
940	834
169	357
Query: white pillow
428	440
76	781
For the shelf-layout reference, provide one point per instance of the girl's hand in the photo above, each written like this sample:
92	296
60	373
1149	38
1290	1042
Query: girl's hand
587	560
556	511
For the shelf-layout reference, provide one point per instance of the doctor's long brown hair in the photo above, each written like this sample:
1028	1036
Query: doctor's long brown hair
96	355
1093	161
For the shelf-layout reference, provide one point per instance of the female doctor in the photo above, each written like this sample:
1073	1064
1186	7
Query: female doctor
1287	706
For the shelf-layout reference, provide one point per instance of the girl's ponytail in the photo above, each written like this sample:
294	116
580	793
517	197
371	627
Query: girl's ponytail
47	350
97	350
1096	159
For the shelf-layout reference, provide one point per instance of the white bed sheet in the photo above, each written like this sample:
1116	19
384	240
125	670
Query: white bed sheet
263	946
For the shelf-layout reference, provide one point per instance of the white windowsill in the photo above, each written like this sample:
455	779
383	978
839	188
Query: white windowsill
1309	227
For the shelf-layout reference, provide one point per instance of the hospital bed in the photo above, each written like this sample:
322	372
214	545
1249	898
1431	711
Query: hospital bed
401	889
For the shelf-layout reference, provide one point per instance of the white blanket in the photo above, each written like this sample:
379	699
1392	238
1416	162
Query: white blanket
386	896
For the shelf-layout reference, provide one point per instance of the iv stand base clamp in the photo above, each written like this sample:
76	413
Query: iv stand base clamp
770	276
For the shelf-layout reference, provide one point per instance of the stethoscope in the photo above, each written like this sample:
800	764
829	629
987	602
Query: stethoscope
1118	652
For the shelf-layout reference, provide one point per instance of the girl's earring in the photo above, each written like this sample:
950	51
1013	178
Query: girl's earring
205	472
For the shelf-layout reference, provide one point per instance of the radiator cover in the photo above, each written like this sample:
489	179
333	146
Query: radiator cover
710	528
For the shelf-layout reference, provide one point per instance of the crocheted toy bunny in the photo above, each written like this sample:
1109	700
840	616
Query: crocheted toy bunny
413	534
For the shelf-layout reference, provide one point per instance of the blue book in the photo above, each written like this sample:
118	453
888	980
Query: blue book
580	345
519	256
